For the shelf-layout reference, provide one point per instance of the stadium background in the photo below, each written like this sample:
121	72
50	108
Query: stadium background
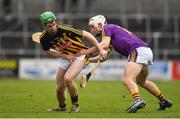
155	21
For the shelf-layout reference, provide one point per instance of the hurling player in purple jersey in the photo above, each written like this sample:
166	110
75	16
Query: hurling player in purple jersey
139	57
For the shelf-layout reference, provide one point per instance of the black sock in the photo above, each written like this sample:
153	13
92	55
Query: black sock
161	97
74	100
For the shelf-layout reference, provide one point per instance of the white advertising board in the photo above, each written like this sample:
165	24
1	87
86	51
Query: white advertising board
109	70
161	70
37	68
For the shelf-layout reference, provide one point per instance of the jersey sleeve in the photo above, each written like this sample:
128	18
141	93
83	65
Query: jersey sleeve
73	30
78	32
106	34
44	43
107	31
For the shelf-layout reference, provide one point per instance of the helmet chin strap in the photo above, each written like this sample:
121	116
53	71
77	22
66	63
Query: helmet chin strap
99	34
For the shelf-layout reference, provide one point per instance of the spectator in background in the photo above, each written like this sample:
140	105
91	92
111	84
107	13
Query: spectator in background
89	7
7	9
61	5
68	6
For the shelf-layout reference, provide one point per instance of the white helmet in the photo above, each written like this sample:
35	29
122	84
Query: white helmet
97	19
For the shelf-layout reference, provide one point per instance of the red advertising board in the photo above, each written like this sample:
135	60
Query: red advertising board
176	70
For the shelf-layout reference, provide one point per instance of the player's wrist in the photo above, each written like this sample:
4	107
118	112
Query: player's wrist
101	59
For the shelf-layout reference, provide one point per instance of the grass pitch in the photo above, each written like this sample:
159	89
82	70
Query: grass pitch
100	99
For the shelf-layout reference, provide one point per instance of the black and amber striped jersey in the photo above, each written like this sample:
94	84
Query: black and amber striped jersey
67	40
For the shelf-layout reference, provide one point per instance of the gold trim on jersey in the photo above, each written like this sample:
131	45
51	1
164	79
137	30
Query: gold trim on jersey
79	40
75	42
106	38
79	32
72	49
72	46
66	51
44	32
133	56
56	47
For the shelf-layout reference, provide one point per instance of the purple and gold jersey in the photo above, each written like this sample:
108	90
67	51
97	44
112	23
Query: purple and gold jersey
123	41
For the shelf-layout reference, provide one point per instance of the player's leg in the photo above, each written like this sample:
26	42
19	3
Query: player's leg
137	60
60	84
131	71
60	91
60	88
153	89
69	77
148	85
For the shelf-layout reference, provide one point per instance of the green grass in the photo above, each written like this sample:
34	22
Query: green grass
100	99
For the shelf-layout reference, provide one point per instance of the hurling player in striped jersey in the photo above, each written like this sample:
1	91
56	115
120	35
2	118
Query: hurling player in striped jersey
63	41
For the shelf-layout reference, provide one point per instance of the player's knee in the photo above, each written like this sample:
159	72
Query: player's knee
68	79
126	81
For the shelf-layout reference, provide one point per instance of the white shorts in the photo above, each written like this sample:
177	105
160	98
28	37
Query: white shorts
64	64
142	55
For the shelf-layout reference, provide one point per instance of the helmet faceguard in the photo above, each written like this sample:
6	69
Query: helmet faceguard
94	21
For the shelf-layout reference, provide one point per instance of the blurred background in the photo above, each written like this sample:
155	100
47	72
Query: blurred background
155	21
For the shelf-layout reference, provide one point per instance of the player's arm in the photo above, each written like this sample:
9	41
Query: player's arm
93	40
103	44
54	53
97	58
57	54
